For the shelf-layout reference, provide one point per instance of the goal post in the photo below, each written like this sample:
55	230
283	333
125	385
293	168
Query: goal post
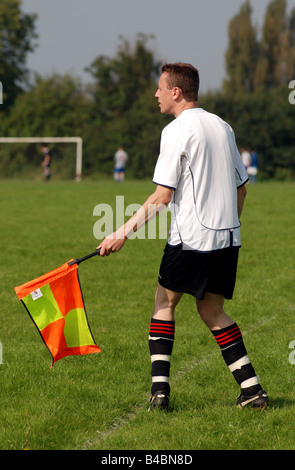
47	140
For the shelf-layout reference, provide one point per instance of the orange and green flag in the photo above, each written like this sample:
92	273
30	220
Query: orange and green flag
55	303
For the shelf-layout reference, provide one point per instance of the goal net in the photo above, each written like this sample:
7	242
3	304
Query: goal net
31	140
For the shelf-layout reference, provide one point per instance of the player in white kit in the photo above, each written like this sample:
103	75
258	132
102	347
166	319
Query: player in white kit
200	173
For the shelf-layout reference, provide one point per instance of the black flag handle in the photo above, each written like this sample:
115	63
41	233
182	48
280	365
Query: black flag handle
79	260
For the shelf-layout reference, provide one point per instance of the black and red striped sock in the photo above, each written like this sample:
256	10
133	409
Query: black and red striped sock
161	340
235	355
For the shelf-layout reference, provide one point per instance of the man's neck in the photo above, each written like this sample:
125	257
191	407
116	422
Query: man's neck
184	106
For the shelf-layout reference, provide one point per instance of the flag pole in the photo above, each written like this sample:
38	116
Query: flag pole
79	260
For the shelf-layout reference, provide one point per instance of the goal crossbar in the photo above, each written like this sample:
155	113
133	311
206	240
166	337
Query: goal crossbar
31	140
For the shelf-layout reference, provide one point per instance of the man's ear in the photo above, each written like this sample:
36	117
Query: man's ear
176	93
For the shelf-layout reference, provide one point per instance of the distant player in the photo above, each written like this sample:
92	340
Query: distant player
121	158
46	161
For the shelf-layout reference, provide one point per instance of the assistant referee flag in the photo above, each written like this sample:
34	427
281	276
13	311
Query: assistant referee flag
55	303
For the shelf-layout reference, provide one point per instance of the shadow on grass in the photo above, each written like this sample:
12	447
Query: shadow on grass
280	402
274	403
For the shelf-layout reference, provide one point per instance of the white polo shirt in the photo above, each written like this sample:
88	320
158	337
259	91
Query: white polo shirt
199	159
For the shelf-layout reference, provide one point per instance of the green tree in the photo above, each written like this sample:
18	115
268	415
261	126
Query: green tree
241	55
276	61
55	106
17	35
119	81
124	110
256	100
292	27
255	65
292	40
264	121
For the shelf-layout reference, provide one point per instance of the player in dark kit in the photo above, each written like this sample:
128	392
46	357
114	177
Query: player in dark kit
46	162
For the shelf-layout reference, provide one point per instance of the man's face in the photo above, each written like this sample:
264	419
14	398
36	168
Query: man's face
165	96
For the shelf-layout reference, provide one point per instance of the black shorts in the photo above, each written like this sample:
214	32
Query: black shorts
195	272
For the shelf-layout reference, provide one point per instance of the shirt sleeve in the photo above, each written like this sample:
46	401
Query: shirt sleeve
168	167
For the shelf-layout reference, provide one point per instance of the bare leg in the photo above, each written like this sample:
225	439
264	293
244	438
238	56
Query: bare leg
165	303
212	313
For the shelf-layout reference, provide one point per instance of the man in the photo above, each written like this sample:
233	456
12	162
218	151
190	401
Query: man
120	157
252	170
246	158
46	161
200	173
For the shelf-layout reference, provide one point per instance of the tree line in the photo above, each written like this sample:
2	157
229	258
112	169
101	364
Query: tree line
118	106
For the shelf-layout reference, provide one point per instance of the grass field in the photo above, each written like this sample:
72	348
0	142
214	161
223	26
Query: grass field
100	401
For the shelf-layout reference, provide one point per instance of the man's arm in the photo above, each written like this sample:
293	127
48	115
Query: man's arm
242	191
155	203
